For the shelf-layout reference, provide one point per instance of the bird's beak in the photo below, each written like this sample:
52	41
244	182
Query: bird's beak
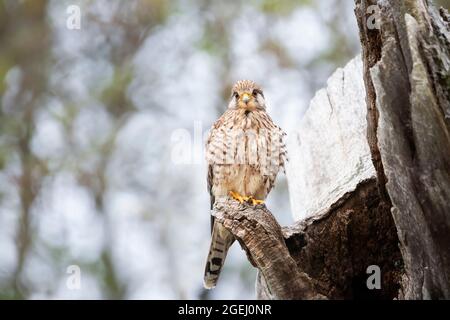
245	98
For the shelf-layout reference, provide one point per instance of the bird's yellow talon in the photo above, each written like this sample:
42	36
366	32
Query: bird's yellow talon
255	201
242	199
238	197
259	201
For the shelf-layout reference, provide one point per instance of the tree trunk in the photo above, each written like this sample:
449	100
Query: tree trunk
407	78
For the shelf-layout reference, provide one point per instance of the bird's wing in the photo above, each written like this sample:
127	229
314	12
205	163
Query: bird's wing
280	164
210	158
211	195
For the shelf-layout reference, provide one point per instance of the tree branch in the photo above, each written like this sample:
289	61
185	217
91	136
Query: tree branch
261	237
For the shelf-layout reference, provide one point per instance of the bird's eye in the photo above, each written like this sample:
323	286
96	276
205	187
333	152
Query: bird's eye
235	95
256	91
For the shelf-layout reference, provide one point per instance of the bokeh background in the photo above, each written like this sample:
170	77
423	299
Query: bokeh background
89	118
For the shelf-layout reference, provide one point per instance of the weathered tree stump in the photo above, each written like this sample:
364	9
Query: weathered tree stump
407	79
325	255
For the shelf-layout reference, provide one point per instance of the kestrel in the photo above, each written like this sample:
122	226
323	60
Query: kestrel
244	151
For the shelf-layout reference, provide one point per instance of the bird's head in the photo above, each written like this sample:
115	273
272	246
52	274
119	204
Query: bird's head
247	95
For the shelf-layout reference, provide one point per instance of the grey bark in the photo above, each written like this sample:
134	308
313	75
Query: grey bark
328	151
407	74
260	235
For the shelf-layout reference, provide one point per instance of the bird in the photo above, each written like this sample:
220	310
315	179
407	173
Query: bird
244	150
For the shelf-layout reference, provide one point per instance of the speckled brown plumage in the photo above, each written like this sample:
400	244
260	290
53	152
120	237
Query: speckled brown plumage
244	151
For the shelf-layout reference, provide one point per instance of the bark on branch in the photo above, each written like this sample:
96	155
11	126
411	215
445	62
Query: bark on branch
261	237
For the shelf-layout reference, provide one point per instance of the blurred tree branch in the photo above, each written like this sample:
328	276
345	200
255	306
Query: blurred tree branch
15	49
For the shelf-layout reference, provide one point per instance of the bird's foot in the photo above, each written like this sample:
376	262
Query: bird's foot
238	197
255	201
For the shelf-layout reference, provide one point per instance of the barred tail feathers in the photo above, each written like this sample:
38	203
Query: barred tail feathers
221	241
